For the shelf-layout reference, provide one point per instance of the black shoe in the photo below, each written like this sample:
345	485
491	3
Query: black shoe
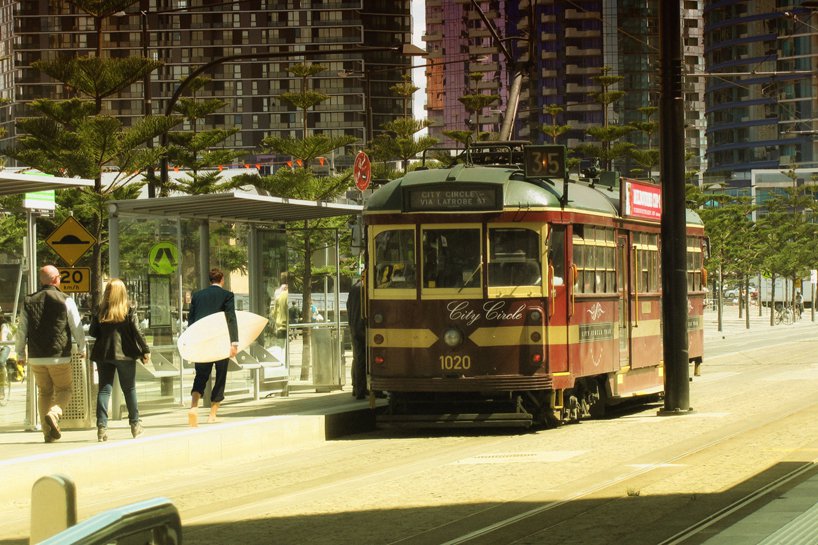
52	421
360	396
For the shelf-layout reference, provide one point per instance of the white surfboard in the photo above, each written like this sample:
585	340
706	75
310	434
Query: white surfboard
208	339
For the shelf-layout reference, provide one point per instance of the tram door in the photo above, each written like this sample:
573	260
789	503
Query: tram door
557	302
623	287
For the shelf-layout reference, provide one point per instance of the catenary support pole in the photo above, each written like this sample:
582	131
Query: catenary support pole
674	259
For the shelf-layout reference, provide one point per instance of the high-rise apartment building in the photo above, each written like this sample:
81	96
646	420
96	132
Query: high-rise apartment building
6	65
762	113
570	43
185	34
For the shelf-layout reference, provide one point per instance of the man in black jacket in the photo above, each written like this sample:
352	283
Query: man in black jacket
50	325
203	303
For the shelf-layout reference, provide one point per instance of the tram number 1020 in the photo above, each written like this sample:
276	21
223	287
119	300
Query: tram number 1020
450	362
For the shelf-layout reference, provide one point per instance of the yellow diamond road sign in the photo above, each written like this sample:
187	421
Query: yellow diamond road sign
70	240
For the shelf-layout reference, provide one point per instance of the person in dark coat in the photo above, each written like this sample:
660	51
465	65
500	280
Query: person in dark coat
203	303
357	330
49	327
118	342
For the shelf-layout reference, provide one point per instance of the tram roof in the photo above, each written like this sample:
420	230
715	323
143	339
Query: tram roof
15	183
517	191
238	206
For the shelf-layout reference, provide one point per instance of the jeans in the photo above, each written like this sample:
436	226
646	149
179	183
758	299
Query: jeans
127	381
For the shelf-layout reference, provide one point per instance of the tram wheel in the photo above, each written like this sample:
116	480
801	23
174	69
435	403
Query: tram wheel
597	408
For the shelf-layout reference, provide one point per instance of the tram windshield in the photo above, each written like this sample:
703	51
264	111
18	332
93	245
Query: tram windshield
395	259
451	257
514	257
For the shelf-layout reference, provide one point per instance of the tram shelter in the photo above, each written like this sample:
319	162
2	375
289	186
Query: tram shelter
163	249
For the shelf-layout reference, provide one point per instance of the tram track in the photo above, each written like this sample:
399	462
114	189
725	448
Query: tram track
564	512
557	509
562	508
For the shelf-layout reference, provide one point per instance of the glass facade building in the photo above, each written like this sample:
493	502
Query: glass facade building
761	113
569	43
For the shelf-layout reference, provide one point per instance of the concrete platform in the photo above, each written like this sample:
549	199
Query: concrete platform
244	429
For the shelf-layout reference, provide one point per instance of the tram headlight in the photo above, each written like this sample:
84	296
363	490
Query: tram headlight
535	316
452	337
378	318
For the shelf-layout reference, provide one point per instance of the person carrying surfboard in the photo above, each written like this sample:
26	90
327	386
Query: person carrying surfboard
203	303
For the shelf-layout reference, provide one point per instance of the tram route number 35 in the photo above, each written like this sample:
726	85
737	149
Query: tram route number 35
75	279
545	161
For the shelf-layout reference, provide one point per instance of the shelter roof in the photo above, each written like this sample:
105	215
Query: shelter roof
14	183
238	206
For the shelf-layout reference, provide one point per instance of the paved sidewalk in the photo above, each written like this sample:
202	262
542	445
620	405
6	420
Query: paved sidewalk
732	324
245	428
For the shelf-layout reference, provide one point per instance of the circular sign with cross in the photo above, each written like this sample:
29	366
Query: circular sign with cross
362	171
164	258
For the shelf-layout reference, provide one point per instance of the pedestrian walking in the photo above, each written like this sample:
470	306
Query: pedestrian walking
118	342
203	303
280	315
49	326
357	330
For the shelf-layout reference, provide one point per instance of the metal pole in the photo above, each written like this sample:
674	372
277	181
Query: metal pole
179	280
31	422
113	241
674	281
369	125
339	338
146	86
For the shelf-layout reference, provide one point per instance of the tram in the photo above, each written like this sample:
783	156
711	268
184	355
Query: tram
499	293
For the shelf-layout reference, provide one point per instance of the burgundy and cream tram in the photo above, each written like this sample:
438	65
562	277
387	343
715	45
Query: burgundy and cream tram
501	296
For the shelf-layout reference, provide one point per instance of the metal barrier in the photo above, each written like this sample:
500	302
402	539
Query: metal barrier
154	521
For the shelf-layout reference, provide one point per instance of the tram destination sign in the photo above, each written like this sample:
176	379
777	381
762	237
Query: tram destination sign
428	199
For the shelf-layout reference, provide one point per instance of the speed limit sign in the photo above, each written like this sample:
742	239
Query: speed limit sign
75	279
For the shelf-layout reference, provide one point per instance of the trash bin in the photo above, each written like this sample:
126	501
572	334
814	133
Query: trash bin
325	363
77	416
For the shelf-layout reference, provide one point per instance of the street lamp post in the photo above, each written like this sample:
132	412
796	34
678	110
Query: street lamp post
405	49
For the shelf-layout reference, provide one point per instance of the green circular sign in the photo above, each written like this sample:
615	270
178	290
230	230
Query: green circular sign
164	258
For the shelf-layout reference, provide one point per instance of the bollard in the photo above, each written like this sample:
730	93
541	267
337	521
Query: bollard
53	507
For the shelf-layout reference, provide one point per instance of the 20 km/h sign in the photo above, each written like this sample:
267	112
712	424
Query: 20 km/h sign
75	280
70	240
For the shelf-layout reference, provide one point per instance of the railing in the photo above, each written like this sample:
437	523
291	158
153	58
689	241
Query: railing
150	521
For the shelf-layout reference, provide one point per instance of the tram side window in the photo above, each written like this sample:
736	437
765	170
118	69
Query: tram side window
514	257
594	257
694	264
647	251
451	258
394	265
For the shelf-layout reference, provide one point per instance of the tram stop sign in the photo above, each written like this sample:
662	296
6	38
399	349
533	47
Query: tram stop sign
70	240
362	171
164	258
